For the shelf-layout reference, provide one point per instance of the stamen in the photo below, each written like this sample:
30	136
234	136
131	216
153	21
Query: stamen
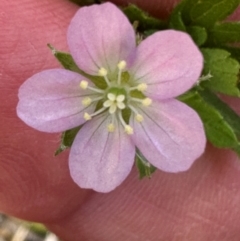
87	116
139	118
84	84
146	101
142	87
121	66
86	101
103	72
111	127
128	129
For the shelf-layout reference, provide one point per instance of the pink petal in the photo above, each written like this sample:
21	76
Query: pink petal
171	135
50	101
98	159
100	36
169	62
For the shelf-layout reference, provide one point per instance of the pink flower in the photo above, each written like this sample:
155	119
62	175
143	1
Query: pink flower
137	106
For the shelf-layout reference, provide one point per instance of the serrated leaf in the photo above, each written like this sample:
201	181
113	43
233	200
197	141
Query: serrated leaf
224	70
235	52
145	22
67	139
66	60
206	13
228	32
145	169
176	22
221	123
198	34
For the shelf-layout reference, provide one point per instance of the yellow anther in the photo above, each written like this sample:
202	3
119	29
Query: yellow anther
111	128
87	116
139	118
84	84
142	87
122	65
102	72
128	129
86	101
146	101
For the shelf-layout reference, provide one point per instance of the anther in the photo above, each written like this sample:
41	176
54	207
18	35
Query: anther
146	101
87	116
102	72
128	129
84	84
111	127
86	101
142	87
122	65
139	118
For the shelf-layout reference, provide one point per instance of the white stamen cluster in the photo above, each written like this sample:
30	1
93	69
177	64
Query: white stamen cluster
116	97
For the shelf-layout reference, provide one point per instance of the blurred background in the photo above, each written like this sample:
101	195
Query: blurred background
13	229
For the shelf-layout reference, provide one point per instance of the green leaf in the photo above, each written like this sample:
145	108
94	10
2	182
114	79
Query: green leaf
145	22
66	60
206	13
198	34
235	52
228	32
224	70
145	169
67	139
221	123
175	20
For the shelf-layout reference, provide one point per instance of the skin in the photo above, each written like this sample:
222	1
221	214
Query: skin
201	204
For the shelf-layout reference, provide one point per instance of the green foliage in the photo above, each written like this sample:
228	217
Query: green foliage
222	33
206	13
67	139
66	60
198	34
224	71
145	169
221	123
145	22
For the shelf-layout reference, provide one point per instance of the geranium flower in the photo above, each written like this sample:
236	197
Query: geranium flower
136	109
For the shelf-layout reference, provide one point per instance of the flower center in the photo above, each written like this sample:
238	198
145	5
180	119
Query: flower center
120	95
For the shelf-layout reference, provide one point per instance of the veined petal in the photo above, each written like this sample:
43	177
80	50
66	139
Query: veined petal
100	36
101	160
50	101
169	62
171	136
